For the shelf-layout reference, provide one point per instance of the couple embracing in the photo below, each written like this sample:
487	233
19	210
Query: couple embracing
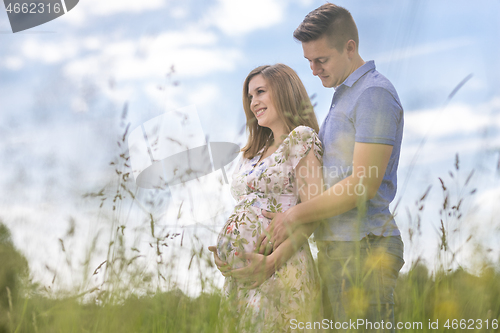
287	186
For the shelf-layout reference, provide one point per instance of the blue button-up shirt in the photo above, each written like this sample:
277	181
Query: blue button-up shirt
365	108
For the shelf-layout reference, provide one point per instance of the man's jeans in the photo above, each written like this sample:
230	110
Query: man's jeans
358	281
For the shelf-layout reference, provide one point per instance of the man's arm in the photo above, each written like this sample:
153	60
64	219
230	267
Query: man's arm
370	161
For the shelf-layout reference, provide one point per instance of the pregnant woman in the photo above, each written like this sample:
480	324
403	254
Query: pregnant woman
281	166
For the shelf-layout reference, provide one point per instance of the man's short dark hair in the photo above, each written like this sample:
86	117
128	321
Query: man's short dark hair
331	20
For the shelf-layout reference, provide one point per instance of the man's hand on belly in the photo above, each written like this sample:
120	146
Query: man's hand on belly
276	233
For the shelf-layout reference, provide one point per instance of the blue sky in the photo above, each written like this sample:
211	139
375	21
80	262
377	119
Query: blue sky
63	86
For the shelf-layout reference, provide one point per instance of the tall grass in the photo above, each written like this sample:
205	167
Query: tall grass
137	294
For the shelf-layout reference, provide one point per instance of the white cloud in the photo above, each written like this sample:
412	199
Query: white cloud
434	151
205	95
85	9
176	39
49	52
109	7
13	63
82	67
120	93
481	217
92	43
477	84
458	128
304	2
179	12
78	104
488	199
60	50
193	53
118	49
454	119
423	49
236	18
167	98
206	200
202	95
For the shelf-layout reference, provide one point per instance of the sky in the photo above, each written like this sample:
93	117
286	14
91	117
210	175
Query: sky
70	87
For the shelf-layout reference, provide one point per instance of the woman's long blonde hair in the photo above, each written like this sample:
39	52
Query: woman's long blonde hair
290	101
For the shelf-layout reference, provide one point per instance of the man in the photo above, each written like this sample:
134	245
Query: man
360	247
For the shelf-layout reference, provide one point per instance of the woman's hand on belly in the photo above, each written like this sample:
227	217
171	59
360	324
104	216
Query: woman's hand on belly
221	265
259	269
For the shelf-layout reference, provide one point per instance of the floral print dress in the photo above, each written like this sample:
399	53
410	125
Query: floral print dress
293	291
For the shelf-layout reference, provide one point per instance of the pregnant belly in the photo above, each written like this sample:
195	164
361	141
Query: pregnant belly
240	234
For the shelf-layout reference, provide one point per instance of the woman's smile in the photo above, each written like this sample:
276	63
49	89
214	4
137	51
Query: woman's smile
260	112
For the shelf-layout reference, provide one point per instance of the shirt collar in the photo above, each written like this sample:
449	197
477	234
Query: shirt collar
358	73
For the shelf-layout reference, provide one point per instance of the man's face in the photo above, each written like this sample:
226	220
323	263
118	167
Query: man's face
326	62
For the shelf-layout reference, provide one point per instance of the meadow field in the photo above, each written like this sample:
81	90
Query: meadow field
133	297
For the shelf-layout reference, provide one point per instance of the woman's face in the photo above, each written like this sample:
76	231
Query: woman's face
262	105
